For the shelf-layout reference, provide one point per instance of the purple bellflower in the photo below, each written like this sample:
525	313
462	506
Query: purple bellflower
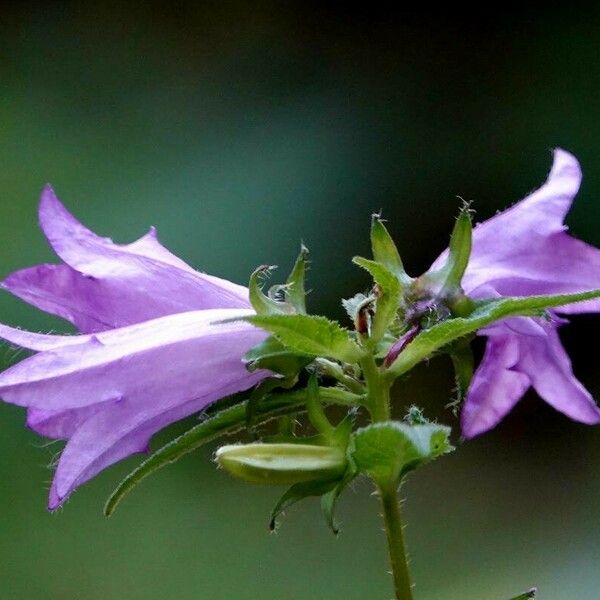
524	251
151	349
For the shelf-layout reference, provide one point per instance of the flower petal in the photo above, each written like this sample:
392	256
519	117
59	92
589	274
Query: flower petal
106	285
495	388
60	424
186	354
548	367
38	341
123	429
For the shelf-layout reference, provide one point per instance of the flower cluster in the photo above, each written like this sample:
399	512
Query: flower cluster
159	341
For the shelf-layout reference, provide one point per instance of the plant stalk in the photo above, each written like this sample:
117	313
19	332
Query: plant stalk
378	394
395	538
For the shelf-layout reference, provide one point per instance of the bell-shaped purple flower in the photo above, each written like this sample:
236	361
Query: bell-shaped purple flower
153	350
102	285
524	251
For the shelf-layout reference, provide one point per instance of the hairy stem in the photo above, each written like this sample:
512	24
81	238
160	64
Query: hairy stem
378	390
395	539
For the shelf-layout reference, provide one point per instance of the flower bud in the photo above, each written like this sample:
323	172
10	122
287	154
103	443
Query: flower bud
281	464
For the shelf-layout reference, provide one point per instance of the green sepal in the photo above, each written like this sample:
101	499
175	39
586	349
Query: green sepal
271	354
298	492
225	422
385	251
449	277
388	296
330	498
464	367
388	450
295	292
486	313
315	411
526	595
262	303
282	463
310	335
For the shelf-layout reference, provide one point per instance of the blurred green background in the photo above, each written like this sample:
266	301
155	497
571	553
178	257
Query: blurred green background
240	129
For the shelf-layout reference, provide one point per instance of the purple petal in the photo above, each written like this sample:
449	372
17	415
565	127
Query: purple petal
184	354
60	424
525	249
495	388
123	429
38	341
106	285
548	367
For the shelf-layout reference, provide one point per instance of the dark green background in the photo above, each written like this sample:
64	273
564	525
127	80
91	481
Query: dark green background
239	129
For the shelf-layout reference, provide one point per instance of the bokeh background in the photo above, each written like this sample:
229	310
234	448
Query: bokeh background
240	129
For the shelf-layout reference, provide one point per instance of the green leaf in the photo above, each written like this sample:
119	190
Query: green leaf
385	251
388	295
298	492
295	291
387	451
261	303
486	313
281	463
311	335
225	422
526	595
271	354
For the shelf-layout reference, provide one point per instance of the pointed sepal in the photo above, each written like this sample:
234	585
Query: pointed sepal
295	290
448	278
385	251
262	303
387	292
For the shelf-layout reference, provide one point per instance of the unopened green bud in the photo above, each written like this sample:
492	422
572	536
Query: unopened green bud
281	464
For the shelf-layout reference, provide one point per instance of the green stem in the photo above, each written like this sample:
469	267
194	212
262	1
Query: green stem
395	538
378	390
378	402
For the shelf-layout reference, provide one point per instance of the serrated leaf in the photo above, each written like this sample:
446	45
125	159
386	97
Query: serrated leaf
487	312
271	354
295	290
225	422
386	451
311	335
385	251
388	295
